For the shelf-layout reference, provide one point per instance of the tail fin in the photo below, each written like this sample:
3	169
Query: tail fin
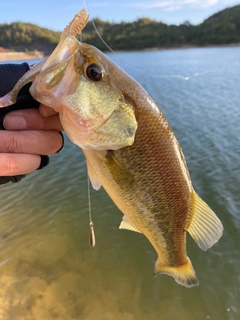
184	274
205	227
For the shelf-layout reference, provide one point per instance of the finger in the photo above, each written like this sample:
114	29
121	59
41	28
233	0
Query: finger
46	111
31	119
16	164
30	142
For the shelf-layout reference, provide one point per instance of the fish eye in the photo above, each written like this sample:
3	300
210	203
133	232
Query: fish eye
94	72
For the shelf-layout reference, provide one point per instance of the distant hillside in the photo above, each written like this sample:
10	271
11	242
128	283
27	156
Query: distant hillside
21	36
219	29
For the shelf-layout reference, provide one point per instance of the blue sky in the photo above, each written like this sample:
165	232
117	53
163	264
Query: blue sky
55	14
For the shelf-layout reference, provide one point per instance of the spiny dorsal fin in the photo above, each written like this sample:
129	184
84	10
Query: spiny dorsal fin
126	224
205	228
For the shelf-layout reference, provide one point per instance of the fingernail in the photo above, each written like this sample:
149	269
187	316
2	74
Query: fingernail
13	122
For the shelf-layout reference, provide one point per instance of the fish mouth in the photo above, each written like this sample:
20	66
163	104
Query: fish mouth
64	50
47	82
47	86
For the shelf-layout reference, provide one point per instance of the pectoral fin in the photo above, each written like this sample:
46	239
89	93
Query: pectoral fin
120	174
205	227
126	224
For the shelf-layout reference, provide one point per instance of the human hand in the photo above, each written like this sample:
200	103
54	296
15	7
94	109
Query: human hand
29	133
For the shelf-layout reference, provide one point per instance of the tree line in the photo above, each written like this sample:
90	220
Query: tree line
220	29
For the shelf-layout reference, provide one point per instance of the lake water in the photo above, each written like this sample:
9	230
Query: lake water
47	269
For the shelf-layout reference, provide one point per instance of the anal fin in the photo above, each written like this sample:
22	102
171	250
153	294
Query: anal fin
126	224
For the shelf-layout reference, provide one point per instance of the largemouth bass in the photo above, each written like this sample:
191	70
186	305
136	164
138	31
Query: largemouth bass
129	147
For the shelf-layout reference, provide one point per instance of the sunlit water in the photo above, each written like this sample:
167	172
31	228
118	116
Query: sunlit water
47	269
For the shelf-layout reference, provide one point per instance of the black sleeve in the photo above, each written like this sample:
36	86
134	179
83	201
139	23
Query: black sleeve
9	75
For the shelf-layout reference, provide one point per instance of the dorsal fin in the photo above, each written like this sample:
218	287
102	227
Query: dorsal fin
205	227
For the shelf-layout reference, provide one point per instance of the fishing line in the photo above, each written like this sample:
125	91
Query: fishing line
93	23
101	37
92	240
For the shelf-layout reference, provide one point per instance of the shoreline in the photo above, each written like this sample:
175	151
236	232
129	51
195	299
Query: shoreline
10	56
186	46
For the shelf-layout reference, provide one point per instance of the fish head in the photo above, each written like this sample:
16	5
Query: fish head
76	81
